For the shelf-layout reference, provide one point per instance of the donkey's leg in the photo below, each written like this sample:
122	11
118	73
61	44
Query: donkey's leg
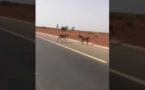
65	39
58	39
82	41
61	40
87	42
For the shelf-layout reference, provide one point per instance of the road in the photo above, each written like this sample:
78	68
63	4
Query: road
126	63
23	28
62	69
130	62
17	59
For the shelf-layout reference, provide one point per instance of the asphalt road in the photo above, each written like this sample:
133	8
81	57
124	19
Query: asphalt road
23	28
17	57
61	69
125	60
58	68
17	65
128	61
117	82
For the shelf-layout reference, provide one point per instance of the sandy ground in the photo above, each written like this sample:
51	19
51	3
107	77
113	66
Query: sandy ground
95	38
132	34
22	12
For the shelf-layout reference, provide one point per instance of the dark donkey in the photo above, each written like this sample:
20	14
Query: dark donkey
64	36
87	39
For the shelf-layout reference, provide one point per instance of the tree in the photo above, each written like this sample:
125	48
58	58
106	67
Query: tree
57	26
64	28
73	28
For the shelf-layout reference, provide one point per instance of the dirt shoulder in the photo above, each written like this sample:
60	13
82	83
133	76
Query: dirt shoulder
129	28
18	11
95	38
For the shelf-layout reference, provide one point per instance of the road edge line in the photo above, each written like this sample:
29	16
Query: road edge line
16	34
128	77
133	46
13	19
37	83
127	45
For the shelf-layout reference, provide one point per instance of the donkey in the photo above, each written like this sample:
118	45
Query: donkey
62	36
87	39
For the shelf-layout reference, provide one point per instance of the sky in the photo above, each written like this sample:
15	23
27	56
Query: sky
87	15
128	6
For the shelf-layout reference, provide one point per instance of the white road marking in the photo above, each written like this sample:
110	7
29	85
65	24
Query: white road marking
103	61
72	40
117	42
16	20
16	34
133	46
128	77
37	83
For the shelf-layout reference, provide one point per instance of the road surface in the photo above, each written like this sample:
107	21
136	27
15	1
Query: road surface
71	71
21	27
126	63
58	68
63	69
130	63
17	58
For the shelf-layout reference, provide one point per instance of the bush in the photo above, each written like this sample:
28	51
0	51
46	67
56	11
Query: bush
64	28
73	28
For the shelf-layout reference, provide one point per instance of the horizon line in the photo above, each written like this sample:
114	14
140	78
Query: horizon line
70	29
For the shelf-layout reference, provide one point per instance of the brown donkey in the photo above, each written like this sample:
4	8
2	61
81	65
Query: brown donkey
62	36
83	39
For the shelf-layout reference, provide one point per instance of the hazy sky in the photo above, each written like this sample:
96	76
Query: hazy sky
90	15
129	6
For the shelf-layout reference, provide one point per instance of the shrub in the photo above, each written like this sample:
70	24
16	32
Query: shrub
73	28
64	28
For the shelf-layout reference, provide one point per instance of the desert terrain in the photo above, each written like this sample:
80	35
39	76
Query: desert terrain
95	37
129	28
18	11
